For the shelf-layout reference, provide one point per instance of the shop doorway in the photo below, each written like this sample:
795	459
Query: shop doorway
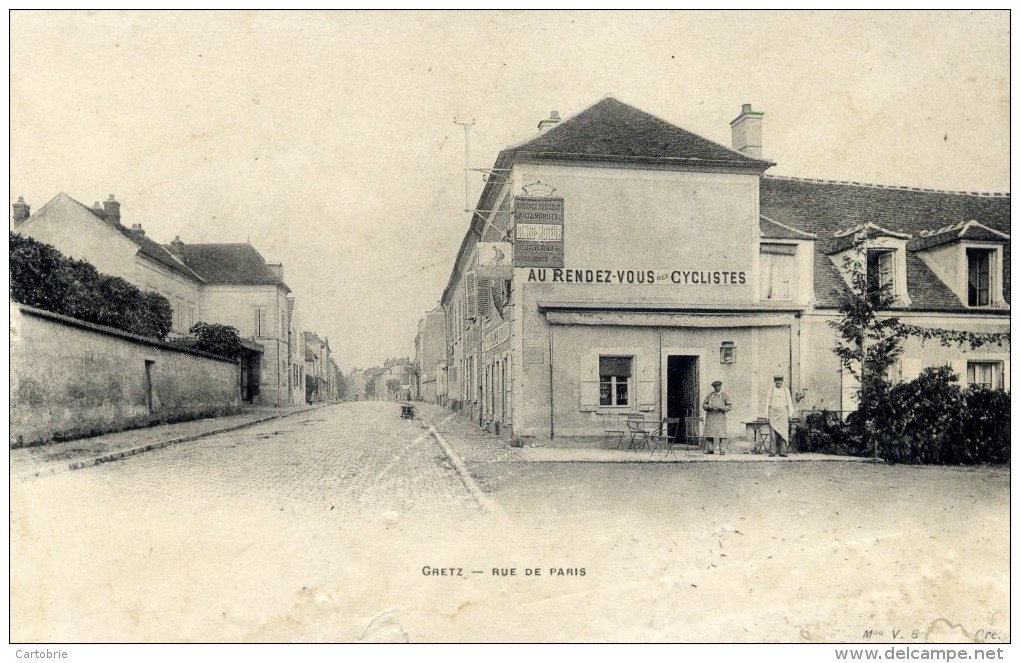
682	397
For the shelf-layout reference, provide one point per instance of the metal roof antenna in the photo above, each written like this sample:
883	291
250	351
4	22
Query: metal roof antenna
467	162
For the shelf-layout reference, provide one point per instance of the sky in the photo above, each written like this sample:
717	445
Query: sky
327	139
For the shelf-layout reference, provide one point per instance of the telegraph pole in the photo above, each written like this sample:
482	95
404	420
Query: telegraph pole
467	162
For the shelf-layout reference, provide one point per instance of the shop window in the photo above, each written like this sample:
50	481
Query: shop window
979	277
778	271
614	380
986	374
881	272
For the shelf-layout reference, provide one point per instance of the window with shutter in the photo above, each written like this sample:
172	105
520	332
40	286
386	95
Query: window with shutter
484	296
471	292
615	375
979	277
258	321
881	272
778	271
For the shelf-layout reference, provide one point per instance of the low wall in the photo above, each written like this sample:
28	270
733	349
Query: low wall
72	379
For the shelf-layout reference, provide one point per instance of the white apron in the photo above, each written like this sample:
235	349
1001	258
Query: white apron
780	406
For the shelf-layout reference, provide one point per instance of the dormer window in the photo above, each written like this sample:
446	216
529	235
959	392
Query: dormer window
883	253
778	271
967	257
979	277
881	271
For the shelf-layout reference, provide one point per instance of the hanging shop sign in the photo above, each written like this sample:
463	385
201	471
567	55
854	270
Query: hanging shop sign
538	232
639	276
497	336
494	260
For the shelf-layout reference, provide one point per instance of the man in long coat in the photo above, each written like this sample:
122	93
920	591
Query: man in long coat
780	408
716	405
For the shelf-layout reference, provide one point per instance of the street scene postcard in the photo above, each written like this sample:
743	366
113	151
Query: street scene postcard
511	327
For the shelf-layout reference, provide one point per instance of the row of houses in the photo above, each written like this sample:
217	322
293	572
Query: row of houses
230	284
617	263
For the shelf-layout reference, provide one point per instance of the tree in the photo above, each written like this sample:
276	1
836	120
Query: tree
393	385
222	340
868	342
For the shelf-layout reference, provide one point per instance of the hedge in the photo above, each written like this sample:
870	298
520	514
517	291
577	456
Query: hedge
43	277
928	420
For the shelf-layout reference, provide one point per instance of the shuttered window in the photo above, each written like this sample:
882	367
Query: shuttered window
258	321
778	271
484	296
614	380
471	293
979	277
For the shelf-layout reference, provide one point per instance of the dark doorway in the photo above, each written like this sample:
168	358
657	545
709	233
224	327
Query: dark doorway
250	369
682	396
150	366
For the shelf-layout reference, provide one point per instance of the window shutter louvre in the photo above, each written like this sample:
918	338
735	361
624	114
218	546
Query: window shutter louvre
471	291
588	382
646	385
484	296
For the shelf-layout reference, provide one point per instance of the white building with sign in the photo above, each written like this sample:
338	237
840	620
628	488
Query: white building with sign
649	262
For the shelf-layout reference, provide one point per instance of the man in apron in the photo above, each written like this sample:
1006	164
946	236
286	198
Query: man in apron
716	405
780	408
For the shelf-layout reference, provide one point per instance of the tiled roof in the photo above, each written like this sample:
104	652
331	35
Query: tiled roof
146	246
609	131
970	231
772	229
157	253
614	131
226	263
826	208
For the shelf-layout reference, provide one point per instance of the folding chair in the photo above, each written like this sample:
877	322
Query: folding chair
661	439
613	429
689	438
638	433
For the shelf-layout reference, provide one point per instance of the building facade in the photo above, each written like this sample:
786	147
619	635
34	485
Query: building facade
228	284
648	262
430	356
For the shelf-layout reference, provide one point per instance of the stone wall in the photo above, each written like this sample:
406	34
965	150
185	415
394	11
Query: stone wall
73	379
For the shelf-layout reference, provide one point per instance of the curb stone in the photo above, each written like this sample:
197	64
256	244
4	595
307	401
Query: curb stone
134	451
487	505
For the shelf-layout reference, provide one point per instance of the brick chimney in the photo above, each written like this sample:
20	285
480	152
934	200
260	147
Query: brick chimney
177	245
98	210
747	131
136	228
552	121
112	208
277	268
21	211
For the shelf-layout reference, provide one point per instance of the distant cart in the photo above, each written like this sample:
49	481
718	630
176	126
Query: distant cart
406	411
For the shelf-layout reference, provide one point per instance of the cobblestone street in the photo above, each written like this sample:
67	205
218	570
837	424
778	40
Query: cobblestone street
347	523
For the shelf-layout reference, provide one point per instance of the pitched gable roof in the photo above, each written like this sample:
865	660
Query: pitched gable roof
614	131
609	131
148	248
154	251
964	231
826	208
237	264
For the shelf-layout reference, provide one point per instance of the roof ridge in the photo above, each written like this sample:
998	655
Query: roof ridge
895	187
791	228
